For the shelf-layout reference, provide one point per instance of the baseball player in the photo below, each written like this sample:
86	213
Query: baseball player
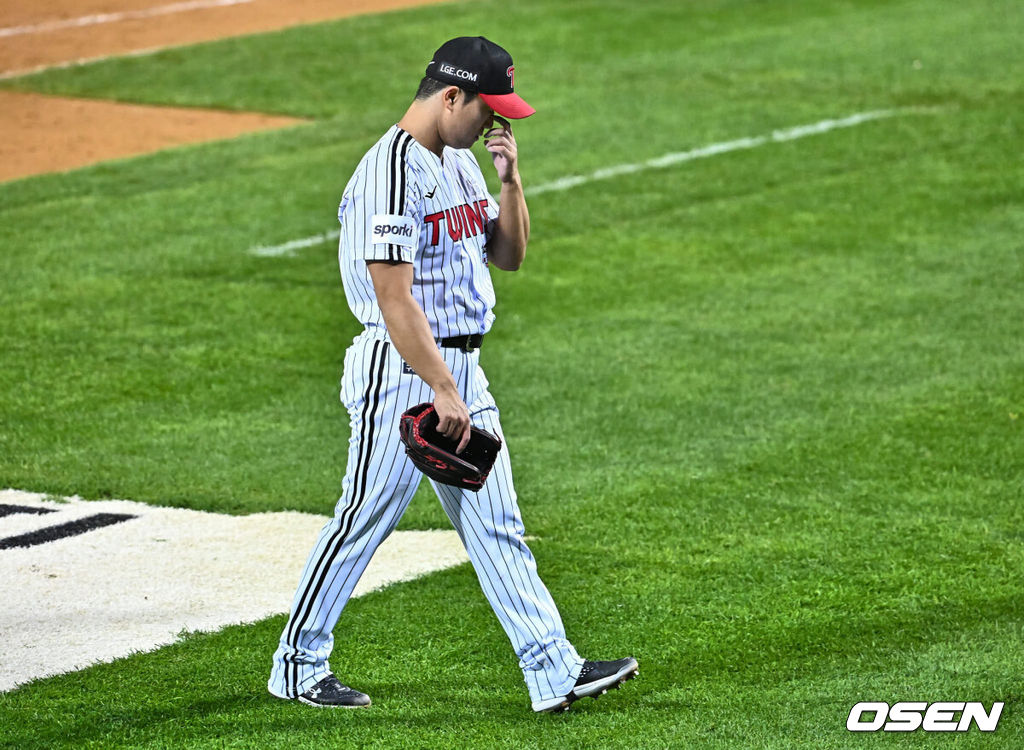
419	233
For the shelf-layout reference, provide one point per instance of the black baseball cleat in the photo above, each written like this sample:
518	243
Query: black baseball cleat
596	678
330	693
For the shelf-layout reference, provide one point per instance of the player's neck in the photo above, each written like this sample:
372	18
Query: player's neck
420	121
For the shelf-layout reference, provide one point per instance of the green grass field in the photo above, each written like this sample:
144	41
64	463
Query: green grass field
766	409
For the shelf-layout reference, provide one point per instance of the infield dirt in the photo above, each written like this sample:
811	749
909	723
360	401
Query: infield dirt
40	134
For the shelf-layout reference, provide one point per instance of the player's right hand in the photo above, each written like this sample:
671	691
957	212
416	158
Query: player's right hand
500	142
453	418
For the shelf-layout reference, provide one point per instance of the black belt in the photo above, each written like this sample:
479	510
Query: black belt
468	343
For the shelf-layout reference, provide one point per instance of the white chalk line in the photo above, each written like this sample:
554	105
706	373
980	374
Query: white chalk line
9	74
660	162
98	18
289	247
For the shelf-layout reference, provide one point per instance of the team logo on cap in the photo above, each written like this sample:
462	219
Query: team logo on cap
511	76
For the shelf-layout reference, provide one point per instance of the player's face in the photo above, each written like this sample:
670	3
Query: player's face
466	121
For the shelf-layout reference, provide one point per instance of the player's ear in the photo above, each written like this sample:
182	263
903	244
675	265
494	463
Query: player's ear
450	95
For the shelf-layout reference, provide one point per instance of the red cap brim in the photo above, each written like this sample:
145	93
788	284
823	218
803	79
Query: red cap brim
511	106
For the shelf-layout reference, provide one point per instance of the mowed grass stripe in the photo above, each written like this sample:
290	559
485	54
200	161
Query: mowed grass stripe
599	241
659	162
600	245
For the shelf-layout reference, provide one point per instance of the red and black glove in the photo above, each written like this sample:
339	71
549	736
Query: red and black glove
434	453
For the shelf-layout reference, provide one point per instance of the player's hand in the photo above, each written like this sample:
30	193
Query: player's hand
502	145
453	418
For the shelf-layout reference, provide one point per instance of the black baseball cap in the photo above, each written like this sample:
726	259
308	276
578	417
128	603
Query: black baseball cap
481	66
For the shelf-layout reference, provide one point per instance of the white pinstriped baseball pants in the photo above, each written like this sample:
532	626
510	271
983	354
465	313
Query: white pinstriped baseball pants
378	486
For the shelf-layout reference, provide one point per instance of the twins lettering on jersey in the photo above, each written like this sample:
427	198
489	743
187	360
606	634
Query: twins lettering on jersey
462	222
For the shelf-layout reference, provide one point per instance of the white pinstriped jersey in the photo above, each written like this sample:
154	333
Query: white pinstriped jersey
403	203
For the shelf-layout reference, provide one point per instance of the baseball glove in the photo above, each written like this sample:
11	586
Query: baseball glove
434	453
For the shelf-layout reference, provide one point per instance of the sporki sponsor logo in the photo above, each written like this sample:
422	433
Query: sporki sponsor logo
383	229
457	72
929	717
393	230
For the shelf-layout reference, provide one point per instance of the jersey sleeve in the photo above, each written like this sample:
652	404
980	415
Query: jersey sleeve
381	213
